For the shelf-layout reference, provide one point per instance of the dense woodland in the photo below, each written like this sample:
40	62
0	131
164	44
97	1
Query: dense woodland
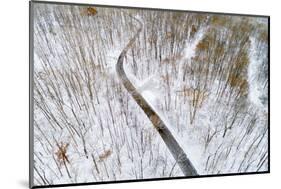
206	75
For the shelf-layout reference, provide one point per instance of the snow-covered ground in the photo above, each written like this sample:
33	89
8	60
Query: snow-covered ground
207	81
256	78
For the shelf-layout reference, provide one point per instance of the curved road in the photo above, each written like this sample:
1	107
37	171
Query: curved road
177	152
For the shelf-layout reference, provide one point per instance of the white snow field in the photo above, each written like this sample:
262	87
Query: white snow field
205	75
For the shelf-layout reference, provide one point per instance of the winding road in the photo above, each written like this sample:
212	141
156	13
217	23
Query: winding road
170	141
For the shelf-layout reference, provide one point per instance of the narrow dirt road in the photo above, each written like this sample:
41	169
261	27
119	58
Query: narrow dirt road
177	152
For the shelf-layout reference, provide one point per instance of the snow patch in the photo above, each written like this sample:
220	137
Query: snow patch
255	87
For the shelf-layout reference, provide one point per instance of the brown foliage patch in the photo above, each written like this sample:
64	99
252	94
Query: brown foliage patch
92	11
105	155
61	153
196	96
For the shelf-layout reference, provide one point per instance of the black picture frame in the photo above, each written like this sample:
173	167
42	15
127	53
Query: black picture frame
31	88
